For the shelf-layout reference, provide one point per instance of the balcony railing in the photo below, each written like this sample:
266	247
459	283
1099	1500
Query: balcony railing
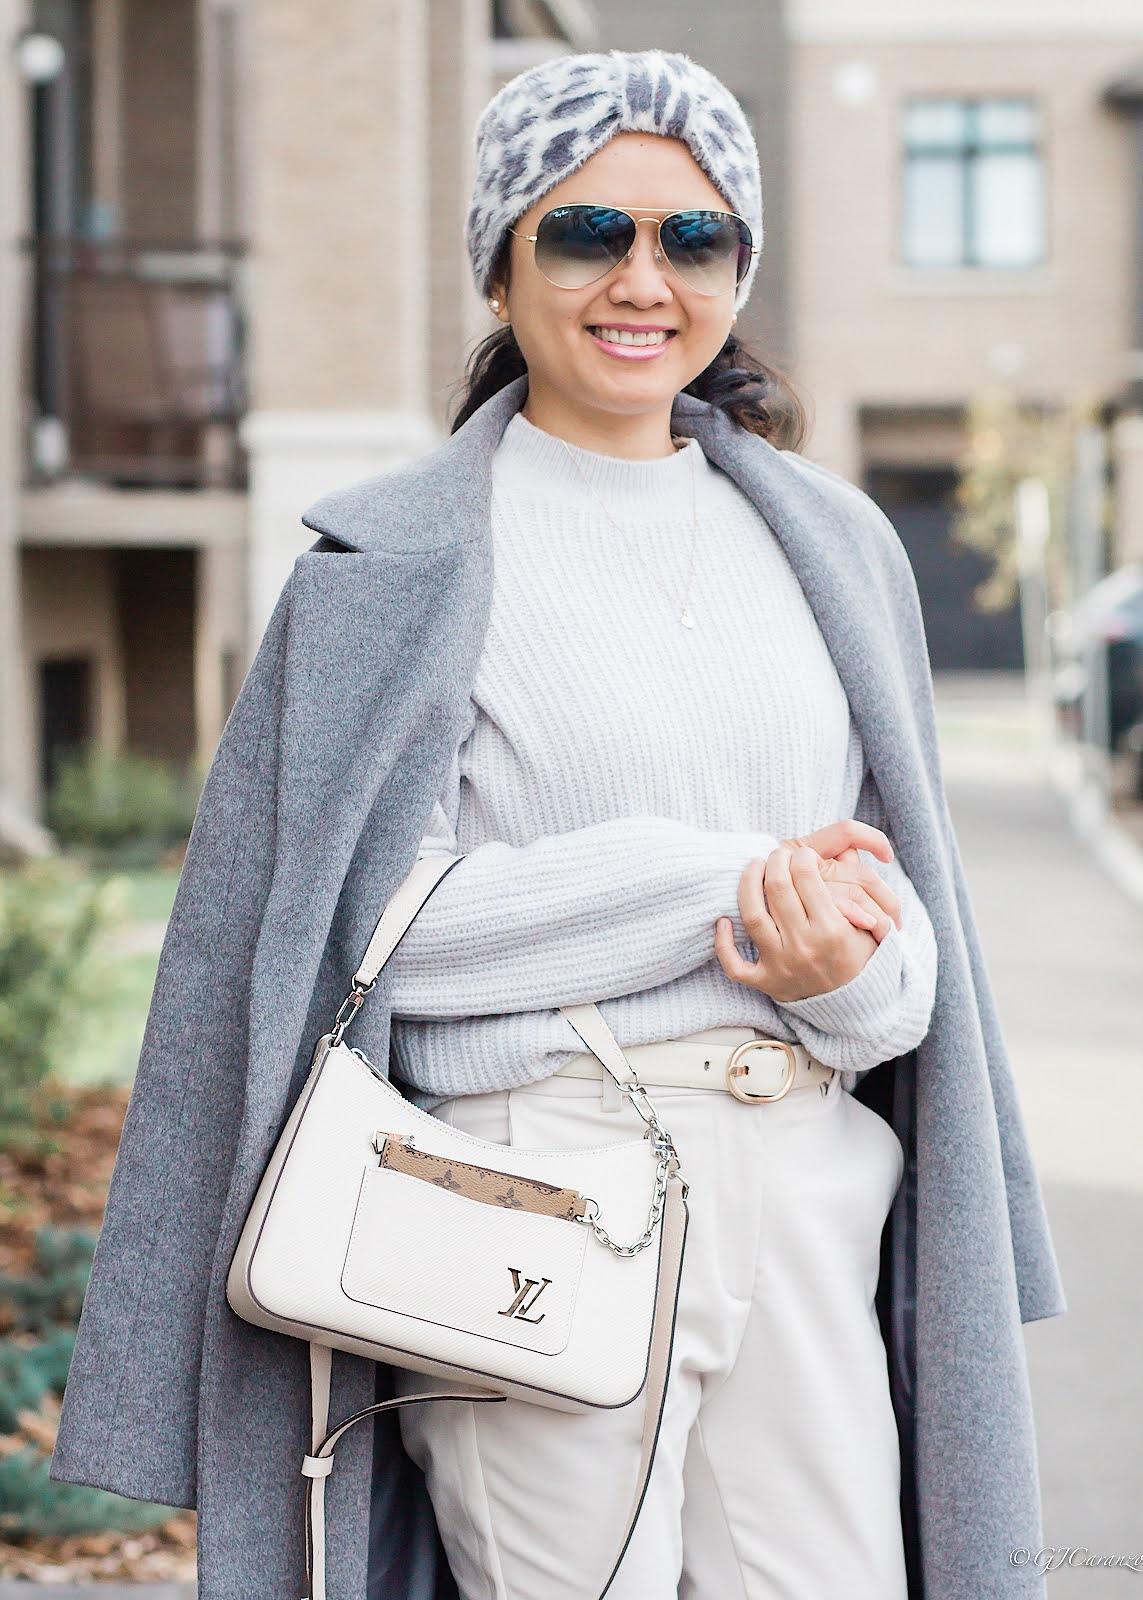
136	372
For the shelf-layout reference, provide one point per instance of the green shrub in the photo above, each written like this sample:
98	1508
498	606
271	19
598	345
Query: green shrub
43	1310
121	808
33	1506
54	1293
55	980
29	1370
52	972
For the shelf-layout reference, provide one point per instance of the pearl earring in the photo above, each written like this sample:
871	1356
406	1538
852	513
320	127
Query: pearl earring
494	305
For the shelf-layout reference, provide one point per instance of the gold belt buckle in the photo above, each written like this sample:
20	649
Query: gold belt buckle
735	1069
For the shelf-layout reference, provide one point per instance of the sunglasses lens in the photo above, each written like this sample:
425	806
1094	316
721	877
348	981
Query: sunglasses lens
710	250
575	245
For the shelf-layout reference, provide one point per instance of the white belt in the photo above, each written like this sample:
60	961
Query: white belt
753	1068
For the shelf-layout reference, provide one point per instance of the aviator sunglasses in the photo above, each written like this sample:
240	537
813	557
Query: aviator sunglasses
578	244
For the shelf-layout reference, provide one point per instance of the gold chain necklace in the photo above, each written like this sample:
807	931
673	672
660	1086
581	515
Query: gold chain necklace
686	615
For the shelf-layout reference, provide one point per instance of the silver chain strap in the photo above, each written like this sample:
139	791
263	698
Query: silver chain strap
665	1166
661	1141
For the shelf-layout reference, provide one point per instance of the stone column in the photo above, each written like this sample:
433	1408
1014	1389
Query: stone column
458	91
220	639
337	180
18	830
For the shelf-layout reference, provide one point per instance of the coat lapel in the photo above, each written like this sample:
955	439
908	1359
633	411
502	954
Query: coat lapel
384	636
384	642
441	500
837	552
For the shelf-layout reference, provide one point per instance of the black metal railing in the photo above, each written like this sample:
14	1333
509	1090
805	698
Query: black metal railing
136	369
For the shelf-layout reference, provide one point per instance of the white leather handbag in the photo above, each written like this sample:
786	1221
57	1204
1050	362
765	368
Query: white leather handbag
545	1275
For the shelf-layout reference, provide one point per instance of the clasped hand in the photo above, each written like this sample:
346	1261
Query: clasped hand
814	910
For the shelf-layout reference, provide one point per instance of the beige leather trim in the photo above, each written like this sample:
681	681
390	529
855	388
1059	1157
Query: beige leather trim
485	1184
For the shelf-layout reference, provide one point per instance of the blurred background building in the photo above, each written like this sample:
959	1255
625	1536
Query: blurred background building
233	276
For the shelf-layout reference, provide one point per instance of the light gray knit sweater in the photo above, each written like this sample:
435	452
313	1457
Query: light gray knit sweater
617	774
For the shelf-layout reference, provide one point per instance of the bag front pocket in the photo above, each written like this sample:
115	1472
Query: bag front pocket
441	1258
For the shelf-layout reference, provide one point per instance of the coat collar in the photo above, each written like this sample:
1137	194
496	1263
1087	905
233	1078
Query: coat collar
385	513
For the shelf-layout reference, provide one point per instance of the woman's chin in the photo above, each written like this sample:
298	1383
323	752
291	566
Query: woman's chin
633	387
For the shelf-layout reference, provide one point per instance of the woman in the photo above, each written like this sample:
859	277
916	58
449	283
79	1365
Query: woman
640	721
657	726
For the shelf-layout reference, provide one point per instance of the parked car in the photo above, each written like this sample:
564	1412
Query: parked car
1098	662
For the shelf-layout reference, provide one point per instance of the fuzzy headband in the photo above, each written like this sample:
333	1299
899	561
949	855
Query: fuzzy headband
546	122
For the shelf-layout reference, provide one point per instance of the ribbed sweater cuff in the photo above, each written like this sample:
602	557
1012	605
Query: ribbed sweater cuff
865	1008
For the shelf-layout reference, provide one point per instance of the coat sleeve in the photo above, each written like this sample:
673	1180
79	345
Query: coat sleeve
141	1331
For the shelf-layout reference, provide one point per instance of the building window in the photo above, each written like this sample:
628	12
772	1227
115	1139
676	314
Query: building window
972	191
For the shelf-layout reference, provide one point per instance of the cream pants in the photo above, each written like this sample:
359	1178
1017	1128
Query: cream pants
777	1473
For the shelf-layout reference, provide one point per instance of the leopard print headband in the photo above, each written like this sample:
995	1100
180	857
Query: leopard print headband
545	123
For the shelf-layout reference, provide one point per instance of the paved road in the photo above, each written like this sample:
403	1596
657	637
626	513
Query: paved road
1065	951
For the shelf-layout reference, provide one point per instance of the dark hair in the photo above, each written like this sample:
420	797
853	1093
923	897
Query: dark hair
757	397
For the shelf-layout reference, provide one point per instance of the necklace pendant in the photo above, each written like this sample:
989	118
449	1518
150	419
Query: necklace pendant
686	617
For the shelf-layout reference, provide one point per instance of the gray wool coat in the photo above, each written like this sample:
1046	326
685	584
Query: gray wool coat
318	796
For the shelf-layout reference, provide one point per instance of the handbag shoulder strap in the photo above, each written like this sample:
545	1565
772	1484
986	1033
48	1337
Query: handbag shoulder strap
395	921
588	1022
398	914
317	1466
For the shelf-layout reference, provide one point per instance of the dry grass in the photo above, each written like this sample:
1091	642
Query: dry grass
67	1186
165	1555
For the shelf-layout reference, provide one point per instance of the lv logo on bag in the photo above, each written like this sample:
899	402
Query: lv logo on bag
522	1287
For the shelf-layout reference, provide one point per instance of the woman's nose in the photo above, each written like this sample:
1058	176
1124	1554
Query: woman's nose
642	277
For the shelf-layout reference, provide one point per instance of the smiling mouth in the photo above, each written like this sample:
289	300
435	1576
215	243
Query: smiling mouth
628	336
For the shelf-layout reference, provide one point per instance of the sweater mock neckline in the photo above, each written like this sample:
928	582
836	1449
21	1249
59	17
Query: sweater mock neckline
548	471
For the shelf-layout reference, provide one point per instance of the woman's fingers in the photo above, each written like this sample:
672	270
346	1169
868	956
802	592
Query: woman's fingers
815	898
759	926
811	936
859	907
752	908
782	898
837	837
840	871
734	964
877	889
854	902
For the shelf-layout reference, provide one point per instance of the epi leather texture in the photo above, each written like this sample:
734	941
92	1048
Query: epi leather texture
340	1249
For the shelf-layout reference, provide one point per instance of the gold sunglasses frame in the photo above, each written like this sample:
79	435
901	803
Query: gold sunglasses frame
660	253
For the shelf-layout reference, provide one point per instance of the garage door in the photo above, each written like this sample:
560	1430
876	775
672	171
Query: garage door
918	501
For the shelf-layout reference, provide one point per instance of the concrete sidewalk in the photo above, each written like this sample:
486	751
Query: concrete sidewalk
1065	953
